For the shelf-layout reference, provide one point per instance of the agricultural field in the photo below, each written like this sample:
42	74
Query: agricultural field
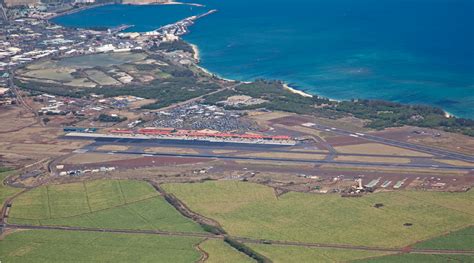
65	246
252	210
459	240
418	258
219	252
6	191
282	254
111	204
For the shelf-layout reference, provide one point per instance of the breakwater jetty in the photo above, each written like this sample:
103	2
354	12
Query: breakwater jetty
181	27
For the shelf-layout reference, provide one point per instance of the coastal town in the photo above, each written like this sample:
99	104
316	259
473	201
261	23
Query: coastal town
107	131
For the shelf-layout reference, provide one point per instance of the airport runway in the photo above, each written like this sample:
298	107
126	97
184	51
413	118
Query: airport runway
347	163
406	145
199	145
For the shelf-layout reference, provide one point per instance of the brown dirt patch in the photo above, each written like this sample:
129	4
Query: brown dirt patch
96	158
14	118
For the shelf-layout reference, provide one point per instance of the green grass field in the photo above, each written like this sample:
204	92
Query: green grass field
221	252
252	210
6	191
418	258
282	254
102	204
63	246
458	240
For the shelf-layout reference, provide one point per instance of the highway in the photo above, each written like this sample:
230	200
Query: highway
349	163
406	145
19	97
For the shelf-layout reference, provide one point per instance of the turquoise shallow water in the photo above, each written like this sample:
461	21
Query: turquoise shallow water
410	51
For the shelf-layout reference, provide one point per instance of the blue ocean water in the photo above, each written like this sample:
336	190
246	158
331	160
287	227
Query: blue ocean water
410	51
142	17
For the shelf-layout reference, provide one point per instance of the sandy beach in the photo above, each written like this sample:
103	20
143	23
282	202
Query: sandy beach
196	52
212	74
299	92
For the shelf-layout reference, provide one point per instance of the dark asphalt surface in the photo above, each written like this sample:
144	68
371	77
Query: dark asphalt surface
279	149
224	157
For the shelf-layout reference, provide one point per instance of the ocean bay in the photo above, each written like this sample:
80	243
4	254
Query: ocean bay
339	49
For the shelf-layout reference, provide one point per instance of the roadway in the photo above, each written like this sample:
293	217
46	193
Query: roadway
20	100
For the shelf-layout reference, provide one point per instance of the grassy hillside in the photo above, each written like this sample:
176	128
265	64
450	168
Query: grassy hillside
105	204
252	210
61	246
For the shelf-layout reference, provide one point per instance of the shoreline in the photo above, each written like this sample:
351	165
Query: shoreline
296	91
165	3
76	10
197	57
286	86
217	76
197	54
86	7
